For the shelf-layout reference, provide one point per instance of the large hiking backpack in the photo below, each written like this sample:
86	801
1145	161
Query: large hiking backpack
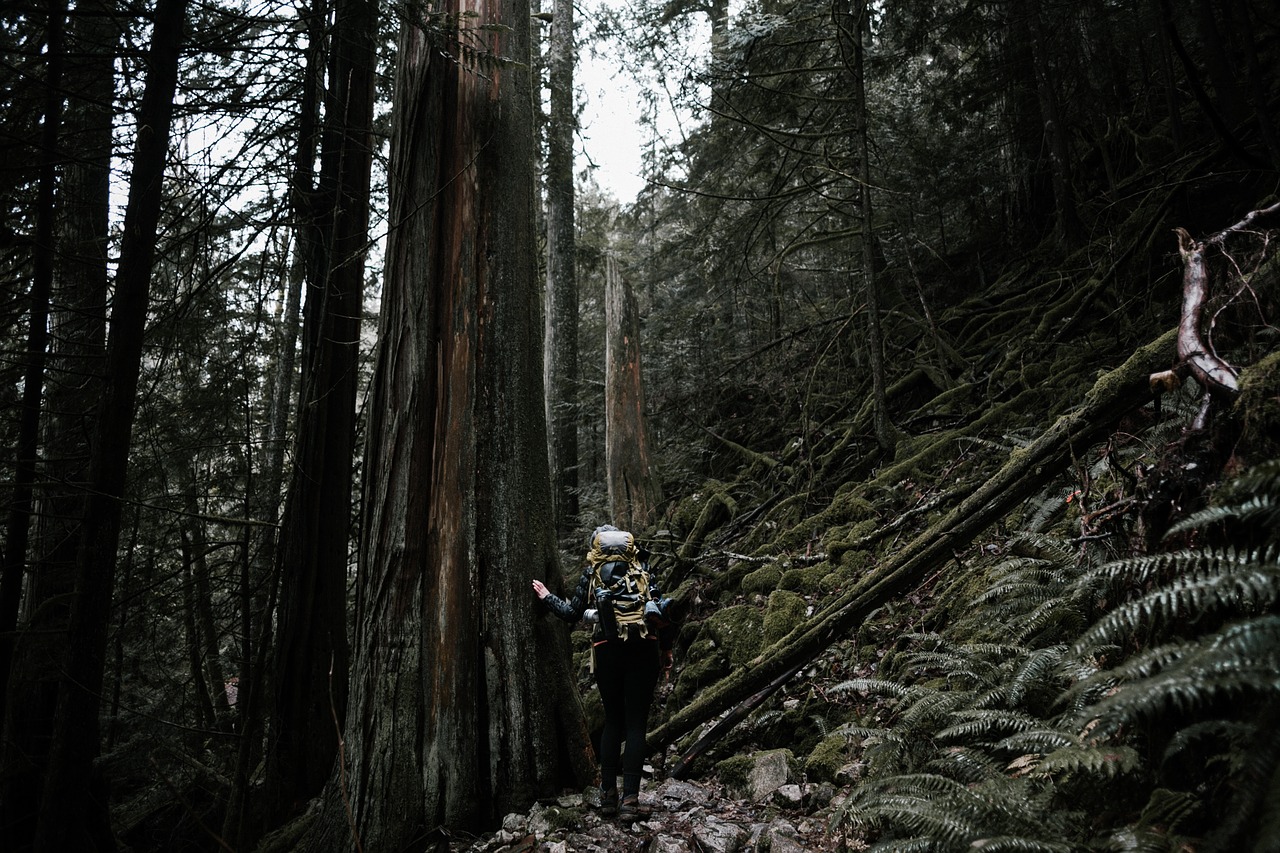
620	583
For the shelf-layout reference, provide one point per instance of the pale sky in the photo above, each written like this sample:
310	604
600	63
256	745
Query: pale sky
609	132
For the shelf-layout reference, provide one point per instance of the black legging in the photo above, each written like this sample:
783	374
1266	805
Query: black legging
626	673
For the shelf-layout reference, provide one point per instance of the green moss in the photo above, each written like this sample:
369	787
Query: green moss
826	759
1258	408
844	539
786	610
734	772
737	631
763	580
559	817
708	509
806	579
836	580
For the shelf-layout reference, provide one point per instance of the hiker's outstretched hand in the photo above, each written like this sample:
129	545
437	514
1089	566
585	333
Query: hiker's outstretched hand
540	589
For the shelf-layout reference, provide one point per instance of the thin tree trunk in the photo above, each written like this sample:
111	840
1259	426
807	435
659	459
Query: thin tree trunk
312	651
875	341
561	354
258	577
202	697
13	561
73	809
634	491
461	703
1056	135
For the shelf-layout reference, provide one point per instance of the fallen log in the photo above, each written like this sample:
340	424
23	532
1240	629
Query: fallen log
1114	394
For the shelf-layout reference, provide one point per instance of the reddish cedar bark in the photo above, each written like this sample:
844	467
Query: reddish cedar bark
461	705
634	492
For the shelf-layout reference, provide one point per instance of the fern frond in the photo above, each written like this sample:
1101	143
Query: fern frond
1192	739
982	725
1260	511
1043	741
970	671
883	687
1106	761
1038	671
964	765
1231	585
1242	660
1167	809
907	845
1015	844
1131	840
930	711
1138	572
851	730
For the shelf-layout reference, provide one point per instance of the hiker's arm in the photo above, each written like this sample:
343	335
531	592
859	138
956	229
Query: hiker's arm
570	610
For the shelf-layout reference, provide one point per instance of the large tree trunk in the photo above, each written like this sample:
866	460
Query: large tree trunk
634	491
312	652
561	355
73	812
77	340
461	704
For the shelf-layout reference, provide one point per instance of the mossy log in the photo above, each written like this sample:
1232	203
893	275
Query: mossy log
1115	393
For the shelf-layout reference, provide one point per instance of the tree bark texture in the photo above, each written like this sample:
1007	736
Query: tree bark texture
634	492
461	706
313	652
561	353
77	342
73	813
1115	393
18	522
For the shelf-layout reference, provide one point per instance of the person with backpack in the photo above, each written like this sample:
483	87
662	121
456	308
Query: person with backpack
630	644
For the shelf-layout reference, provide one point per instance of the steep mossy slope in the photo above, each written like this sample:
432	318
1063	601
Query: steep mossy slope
970	694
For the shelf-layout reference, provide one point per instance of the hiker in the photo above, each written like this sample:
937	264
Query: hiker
631	643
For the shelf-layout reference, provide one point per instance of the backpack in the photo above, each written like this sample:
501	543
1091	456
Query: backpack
620	584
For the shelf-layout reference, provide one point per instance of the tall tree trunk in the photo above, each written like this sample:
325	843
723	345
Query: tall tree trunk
13	560
561	355
30	698
312	652
1056	134
77	323
462	707
634	491
73	808
852	37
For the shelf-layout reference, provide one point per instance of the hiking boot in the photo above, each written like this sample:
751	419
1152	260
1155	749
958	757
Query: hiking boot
608	803
631	809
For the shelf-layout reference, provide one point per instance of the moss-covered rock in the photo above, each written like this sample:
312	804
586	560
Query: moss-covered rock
786	610
805	580
733	772
826	759
728	638
1258	408
763	580
738	631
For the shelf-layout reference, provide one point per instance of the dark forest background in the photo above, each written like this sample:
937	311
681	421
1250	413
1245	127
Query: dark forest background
936	364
